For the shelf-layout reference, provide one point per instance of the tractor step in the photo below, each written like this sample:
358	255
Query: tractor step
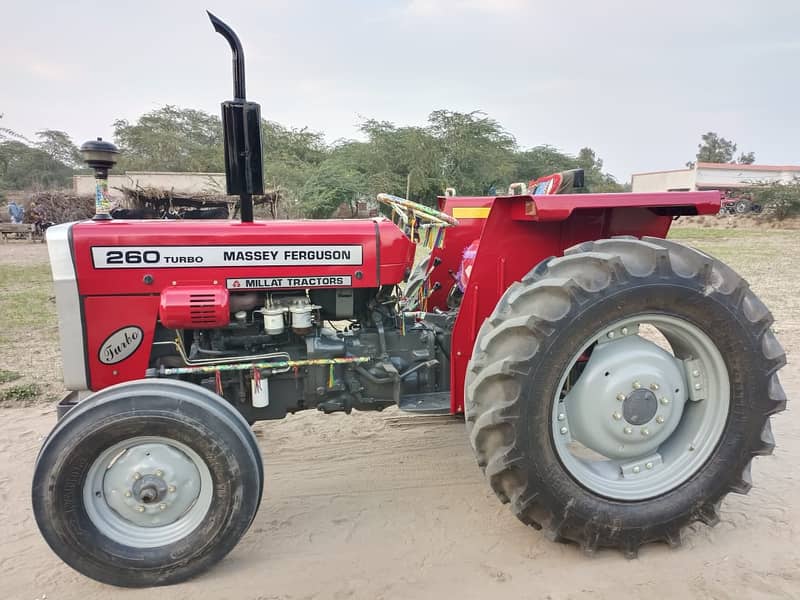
67	402
434	403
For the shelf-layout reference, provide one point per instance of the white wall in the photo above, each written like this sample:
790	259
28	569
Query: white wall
725	176
182	183
662	181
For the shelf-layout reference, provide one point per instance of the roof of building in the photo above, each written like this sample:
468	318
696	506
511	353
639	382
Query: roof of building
743	167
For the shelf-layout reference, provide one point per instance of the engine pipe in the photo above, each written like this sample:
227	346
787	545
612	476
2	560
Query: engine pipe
241	127
347	360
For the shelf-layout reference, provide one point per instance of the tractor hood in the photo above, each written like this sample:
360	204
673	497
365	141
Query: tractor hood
144	257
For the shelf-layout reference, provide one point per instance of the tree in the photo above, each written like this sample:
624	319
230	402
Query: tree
25	164
332	184
25	167
171	139
290	156
476	151
59	146
716	149
545	160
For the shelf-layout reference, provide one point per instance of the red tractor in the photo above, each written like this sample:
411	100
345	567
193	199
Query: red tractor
615	385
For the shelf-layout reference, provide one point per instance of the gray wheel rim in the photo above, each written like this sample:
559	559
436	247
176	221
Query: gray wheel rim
147	491
639	421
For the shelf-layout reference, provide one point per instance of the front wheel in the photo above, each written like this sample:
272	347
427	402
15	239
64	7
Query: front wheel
147	483
617	394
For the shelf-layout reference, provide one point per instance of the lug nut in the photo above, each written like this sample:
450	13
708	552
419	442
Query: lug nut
137	476
620	397
697	386
628	430
128	494
140	508
648	465
610	335
617	416
664	400
561	416
563	431
171	488
162	506
659	419
695	373
636	469
159	473
645	432
636	385
624	331
654	386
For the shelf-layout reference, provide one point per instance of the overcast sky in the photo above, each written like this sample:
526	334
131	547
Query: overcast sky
637	80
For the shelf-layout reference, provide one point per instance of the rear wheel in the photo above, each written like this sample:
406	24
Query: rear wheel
617	394
147	483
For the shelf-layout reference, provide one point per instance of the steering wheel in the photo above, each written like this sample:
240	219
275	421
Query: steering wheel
416	217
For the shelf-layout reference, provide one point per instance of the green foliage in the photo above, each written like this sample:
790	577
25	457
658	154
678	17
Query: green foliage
468	151
716	149
333	183
6	376
746	158
291	157
47	163
780	200
476	152
170	139
20	394
59	147
26	167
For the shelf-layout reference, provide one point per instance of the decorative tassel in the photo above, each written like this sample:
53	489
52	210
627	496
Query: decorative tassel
257	379
218	382
439	238
330	376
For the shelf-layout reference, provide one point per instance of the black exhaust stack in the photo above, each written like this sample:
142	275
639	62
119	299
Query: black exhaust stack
241	126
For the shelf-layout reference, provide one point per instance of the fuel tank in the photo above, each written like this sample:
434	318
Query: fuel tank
144	257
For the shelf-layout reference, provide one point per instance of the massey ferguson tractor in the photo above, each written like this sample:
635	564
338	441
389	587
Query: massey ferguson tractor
615	385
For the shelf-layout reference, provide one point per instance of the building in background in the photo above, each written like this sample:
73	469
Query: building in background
712	176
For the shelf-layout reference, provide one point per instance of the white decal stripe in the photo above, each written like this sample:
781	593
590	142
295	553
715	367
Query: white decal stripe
148	257
265	283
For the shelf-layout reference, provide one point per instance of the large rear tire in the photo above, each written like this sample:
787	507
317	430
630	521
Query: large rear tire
147	483
602	435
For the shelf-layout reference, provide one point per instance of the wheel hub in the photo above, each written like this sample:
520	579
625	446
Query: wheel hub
149	489
604	427
150	484
639	407
628	399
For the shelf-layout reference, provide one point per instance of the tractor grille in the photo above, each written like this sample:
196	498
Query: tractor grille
202	309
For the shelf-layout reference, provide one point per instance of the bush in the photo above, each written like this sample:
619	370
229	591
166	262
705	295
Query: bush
780	200
20	394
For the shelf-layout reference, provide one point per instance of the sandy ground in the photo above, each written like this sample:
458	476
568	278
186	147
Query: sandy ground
384	505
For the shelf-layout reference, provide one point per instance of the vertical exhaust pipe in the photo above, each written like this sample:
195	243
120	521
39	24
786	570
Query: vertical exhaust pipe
241	127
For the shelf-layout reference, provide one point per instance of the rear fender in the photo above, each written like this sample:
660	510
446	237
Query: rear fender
521	231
